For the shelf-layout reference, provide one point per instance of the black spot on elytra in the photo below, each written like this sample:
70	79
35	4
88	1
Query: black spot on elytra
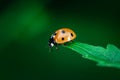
72	34
63	31
62	38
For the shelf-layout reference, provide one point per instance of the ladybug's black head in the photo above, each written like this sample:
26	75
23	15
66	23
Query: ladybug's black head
51	42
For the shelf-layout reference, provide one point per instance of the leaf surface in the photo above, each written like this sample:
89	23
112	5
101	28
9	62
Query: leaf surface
109	56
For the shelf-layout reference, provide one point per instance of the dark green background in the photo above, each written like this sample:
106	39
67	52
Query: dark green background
26	26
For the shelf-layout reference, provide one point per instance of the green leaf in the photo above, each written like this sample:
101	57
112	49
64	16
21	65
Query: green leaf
109	57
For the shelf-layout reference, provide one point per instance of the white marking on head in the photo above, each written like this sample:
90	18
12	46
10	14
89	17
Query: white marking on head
52	44
53	36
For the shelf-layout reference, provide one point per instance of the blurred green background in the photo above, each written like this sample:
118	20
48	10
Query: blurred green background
26	26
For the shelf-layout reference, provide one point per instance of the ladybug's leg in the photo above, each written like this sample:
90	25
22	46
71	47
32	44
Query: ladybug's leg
67	43
56	45
71	41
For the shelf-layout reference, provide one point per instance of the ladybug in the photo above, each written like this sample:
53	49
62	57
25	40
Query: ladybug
61	36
